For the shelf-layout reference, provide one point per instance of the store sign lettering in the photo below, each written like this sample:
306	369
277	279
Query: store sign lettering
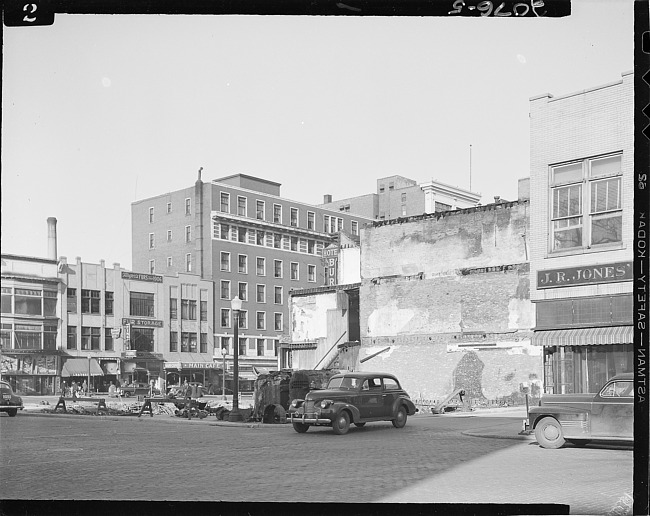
142	277
585	275
142	322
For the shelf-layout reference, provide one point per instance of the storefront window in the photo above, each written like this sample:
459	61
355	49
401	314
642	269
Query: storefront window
28	336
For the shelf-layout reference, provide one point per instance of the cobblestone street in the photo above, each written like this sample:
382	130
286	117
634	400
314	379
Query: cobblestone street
433	459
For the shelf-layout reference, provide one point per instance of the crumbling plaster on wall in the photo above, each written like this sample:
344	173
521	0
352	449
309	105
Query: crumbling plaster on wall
309	316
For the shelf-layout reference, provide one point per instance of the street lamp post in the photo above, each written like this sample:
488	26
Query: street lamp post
235	415
224	352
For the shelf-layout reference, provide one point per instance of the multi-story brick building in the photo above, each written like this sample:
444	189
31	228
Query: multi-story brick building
581	233
238	232
398	196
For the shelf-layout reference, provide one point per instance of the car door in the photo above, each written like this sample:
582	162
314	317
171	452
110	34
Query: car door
371	398
391	391
612	413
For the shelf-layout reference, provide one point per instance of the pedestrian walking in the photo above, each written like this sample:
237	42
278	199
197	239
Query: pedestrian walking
84	387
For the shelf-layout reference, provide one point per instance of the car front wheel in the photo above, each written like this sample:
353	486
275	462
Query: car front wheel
301	428
12	412
549	434
400	418
341	424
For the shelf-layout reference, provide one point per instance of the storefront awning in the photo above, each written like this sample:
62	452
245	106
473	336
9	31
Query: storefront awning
246	375
585	336
79	367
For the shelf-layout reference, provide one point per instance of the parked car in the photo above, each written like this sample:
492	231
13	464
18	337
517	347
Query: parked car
581	418
352	398
137	389
10	402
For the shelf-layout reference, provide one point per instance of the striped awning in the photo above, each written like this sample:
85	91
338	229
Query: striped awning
585	336
80	367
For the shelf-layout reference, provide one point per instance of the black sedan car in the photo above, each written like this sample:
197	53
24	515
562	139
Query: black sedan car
9	401
356	398
136	389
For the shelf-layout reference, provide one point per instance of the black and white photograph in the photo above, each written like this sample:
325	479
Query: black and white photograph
335	258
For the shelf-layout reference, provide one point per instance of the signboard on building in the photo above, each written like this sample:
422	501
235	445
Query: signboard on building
330	260
142	322
585	275
192	365
152	278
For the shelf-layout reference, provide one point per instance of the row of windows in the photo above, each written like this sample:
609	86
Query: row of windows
188	342
90	301
28	336
251	346
170	263
24	301
222	231
91	338
188	209
260	269
260	320
242	292
331	224
188	237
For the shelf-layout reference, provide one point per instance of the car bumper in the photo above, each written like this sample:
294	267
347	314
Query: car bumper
308	419
4	406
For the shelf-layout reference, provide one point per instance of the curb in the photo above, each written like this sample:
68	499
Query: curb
516	437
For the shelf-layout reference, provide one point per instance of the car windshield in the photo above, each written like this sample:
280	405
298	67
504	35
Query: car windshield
344	383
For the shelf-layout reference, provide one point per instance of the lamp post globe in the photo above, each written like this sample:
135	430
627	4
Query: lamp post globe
235	415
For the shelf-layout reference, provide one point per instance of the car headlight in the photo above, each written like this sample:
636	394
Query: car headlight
325	403
297	403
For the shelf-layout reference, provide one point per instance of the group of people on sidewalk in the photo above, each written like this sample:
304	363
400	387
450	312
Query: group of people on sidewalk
74	390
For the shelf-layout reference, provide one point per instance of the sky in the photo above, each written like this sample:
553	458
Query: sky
101	111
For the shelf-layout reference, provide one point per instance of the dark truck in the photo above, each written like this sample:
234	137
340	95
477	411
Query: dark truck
273	392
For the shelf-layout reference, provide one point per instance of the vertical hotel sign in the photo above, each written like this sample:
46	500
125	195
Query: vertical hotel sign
330	260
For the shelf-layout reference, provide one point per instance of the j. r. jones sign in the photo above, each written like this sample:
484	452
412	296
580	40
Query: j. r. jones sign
570	276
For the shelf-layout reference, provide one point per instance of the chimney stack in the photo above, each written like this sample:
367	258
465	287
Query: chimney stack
497	199
51	238
327	198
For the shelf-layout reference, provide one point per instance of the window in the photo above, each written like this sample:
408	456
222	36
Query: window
311	272
225	289
241	206
188	262
259	211
586	203
169	262
243	264
259	237
90	338
261	320
169	207
188	206
173	341
225	202
225	318
294	243
192	342
403	210
277	240
311	246
49	302
242	291
261	266
141	304
381	188
185	342
188	234
6	300
192	310
185	309
391	185
89	301
169	235
242	346
243	319
260	347
261	293
204	343
72	337
241	235
108	303
152	241
339	224
152	266
277	213
278	321
326	223
293	217
355	228
173	308
225	261
294	270
311	217
150	215
403	197
277	299
108	339
49	336
204	310
225	232
277	268
72	300
225	344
